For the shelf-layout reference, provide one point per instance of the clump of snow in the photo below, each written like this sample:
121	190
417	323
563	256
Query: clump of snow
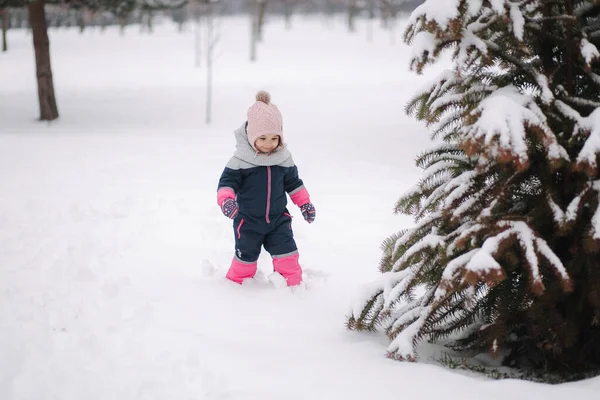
589	125
567	111
562	217
533	244
468	41
498	5
504	114
423	47
483	262
546	93
430	241
501	124
588	51
440	11
474	7
403	344
518	21
457	187
451	270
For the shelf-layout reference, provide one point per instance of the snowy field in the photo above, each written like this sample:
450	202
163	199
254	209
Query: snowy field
113	250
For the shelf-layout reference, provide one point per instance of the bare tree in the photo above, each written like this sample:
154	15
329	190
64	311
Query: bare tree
262	9
353	9
371	21
253	13
41	44
196	10
211	31
288	9
4	16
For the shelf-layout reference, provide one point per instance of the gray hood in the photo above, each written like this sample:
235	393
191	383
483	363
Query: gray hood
245	152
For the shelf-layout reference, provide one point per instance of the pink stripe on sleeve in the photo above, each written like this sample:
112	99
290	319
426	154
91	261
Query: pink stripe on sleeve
224	194
301	197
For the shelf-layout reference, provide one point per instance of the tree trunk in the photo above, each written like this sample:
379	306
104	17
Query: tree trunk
253	9
211	39
4	15
150	21
208	89
41	44
288	14
352	11
371	21
81	20
122	23
392	24
209	67
198	42
262	8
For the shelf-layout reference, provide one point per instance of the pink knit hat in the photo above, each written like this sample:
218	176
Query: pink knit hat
264	118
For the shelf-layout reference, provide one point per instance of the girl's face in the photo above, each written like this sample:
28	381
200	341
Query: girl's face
267	143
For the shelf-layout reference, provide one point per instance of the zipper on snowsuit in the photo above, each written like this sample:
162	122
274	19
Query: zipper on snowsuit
268	194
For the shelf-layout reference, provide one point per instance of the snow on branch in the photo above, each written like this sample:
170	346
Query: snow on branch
468	42
462	235
457	187
437	168
564	219
480	264
423	47
431	241
546	94
402	346
567	111
480	260
500	127
518	21
409	234
588	51
382	286
589	126
439	11
498	5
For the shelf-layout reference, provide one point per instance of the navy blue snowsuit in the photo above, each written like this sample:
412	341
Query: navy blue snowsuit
260	183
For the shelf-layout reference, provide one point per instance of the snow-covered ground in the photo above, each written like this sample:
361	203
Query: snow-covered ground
113	250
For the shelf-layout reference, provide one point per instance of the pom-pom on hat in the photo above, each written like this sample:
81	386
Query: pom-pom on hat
264	118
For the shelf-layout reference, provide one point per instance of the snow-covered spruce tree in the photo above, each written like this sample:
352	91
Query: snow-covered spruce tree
505	252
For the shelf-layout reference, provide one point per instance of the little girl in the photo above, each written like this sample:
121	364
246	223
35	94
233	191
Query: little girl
252	191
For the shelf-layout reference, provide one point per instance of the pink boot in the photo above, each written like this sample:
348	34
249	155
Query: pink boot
289	268
240	270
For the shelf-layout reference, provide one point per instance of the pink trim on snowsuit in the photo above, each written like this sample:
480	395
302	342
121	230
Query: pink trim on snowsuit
224	194
239	270
289	268
301	197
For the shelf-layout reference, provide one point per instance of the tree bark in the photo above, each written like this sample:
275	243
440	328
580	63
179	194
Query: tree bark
81	19
352	11
122	23
210	43
253	9
41	44
288	14
4	15
262	8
